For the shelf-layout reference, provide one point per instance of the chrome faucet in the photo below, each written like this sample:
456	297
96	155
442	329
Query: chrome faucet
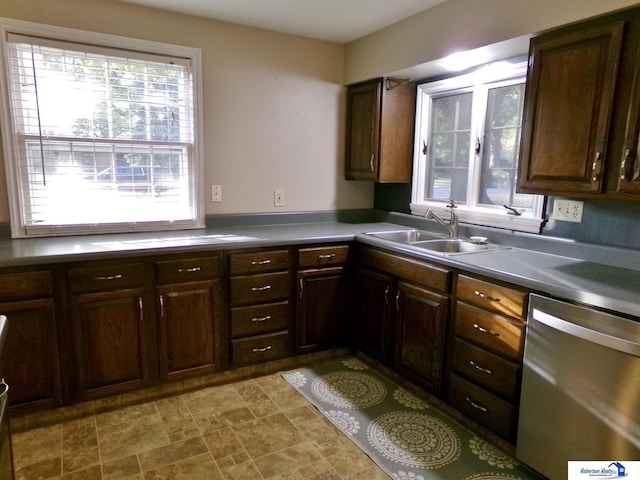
452	226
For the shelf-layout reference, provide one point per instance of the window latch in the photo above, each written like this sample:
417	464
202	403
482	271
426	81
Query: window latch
425	150
478	145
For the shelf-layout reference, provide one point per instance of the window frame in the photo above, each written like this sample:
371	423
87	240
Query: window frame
479	82
19	229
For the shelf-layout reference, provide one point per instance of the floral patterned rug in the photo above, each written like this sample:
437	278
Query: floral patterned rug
405	436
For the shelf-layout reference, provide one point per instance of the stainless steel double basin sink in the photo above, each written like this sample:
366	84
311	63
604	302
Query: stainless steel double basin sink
433	243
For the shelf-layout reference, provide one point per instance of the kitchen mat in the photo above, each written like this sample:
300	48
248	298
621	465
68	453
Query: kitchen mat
401	433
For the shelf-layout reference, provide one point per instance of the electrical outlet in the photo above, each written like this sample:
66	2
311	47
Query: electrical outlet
278	198
216	193
567	210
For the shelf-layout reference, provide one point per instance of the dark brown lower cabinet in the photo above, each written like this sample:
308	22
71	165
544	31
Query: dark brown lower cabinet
373	315
420	335
30	359
319	309
188	329
114	342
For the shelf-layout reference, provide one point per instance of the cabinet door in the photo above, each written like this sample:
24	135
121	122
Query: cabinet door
114	345
30	360
363	130
319	309
188	329
420	334
373	333
570	90
629	174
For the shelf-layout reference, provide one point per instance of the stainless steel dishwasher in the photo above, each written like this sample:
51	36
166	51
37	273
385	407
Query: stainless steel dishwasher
580	396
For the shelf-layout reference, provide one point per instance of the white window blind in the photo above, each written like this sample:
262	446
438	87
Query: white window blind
103	138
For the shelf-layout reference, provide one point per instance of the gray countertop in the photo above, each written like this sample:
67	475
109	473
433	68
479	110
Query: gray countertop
597	276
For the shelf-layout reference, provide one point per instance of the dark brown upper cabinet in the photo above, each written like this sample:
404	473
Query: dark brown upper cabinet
581	127
568	104
380	127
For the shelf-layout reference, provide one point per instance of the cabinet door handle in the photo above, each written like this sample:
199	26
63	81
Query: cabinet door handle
301	288
595	167
261	319
398	301
4	386
479	368
189	270
266	261
261	289
263	349
386	295
623	165
478	293
141	306
371	165
108	277
475	405
484	330
161	298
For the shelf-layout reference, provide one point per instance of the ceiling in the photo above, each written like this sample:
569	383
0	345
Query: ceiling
340	21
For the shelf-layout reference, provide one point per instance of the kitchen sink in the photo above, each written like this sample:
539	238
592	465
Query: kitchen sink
406	236
452	245
434	243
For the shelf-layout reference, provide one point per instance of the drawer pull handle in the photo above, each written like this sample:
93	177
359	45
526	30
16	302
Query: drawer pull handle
484	295
109	277
263	349
5	388
475	405
189	270
478	367
261	289
261	319
484	330
266	261
328	256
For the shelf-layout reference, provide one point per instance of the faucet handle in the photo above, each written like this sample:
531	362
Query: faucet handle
452	204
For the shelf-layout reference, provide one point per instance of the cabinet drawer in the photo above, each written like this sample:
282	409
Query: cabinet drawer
501	335
25	285
247	351
246	321
320	256
492	297
486	369
256	262
482	406
186	270
105	277
266	287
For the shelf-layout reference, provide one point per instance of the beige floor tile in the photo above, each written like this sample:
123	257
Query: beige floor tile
287	460
80	459
267	434
126	467
36	445
172	453
223	443
42	470
202	467
138	435
91	473
242	471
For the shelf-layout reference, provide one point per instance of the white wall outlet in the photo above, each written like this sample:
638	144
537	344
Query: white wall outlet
567	210
216	193
278	198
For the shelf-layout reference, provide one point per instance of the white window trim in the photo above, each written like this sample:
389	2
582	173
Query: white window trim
529	221
7	25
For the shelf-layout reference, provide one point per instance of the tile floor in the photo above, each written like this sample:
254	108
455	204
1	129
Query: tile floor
255	429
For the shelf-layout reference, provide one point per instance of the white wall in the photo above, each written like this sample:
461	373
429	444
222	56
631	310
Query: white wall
274	104
461	25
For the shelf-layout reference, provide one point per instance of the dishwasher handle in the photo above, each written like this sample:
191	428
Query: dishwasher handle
589	334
